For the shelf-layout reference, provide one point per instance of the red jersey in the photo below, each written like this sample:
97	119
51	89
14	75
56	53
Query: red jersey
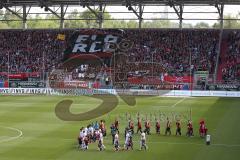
190	125
116	124
178	124
168	124
202	126
131	125
147	125
139	124
86	141
102	126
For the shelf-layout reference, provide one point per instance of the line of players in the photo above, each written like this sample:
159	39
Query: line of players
168	127
128	134
92	133
202	127
97	132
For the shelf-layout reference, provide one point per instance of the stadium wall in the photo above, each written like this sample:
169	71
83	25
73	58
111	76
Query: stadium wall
135	92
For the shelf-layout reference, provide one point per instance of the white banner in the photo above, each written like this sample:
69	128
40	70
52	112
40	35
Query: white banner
77	92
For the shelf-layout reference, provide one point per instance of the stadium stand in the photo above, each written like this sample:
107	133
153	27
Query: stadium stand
230	63
154	53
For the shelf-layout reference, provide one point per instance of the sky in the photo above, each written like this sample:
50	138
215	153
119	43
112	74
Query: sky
233	10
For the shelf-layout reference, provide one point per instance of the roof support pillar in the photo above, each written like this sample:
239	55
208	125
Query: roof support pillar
62	17
178	8
24	20
100	16
137	11
220	8
140	19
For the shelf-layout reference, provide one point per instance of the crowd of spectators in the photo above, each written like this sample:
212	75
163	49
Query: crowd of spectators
175	52
30	50
231	69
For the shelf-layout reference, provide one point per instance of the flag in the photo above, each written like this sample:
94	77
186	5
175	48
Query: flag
61	37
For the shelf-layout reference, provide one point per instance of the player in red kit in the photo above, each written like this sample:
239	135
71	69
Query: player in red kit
139	125
202	129
157	127
168	127
131	126
147	127
189	128
103	128
178	130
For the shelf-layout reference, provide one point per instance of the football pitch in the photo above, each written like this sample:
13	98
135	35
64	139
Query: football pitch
30	129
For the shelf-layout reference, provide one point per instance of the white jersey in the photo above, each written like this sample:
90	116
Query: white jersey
101	137
97	132
127	135
208	137
143	141
90	130
127	138
143	136
84	134
81	135
86	130
116	137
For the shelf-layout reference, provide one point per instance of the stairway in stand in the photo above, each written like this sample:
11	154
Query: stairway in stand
222	62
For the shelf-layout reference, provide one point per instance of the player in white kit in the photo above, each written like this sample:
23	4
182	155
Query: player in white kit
116	142
143	141
100	141
126	140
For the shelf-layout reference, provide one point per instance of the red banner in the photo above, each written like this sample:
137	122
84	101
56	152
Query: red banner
175	79
96	85
156	80
20	75
144	80
76	84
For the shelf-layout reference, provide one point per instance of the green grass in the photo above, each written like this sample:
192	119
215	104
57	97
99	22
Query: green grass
46	137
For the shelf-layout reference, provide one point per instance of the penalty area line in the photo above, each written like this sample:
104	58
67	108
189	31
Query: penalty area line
181	100
172	106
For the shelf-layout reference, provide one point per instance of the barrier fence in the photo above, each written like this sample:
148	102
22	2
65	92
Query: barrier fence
134	92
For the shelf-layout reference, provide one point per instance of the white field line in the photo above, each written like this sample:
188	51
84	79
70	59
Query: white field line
20	133
28	104
181	100
176	96
19	103
161	106
174	105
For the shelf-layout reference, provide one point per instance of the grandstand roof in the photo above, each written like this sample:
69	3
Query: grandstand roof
117	2
135	6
